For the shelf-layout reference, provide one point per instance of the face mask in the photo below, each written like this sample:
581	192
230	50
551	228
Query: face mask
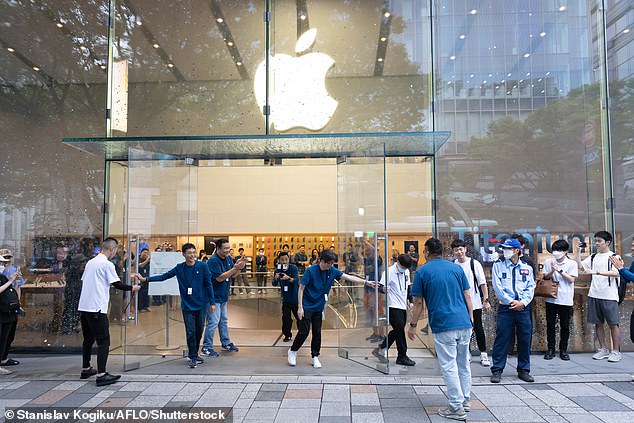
508	253
400	270
1	268
558	254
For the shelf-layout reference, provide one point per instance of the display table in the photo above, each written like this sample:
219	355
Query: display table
47	284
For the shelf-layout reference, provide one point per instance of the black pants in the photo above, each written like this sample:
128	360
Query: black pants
303	329
261	277
287	322
478	329
95	327
194	327
398	317
565	313
7	334
144	298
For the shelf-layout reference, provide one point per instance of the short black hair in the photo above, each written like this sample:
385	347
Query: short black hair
221	242
328	256
604	235
404	260
282	253
287	246
458	243
434	246
240	249
560	245
261	249
188	246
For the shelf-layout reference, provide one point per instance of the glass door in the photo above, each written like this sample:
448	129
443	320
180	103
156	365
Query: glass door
361	310
162	215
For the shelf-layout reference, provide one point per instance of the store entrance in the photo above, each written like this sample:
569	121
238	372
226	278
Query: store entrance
366	197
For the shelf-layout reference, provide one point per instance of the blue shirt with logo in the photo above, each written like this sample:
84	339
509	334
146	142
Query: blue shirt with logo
442	284
196	278
218	266
317	284
513	281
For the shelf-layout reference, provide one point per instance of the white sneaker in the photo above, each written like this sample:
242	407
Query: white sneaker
601	354
4	371
316	363
615	356
292	357
484	359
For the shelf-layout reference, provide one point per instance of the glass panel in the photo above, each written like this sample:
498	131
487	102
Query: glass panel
162	216
361	223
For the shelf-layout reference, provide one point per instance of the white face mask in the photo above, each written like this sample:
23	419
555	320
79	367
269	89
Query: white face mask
1	267
400	269
558	254
508	253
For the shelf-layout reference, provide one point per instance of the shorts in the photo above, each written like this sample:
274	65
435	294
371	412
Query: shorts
603	311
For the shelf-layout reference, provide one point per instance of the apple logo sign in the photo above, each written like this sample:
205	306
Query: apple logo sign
297	87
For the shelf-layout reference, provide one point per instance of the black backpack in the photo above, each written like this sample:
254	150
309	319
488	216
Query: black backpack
621	285
9	301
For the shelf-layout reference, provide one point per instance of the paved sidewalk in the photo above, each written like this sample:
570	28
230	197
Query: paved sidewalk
319	396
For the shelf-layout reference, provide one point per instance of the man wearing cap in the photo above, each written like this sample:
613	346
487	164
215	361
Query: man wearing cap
514	286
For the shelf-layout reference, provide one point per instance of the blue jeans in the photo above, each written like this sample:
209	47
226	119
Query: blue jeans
452	350
217	320
509	321
194	324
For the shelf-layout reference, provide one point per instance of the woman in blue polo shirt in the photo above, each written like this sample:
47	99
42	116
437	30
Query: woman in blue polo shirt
312	297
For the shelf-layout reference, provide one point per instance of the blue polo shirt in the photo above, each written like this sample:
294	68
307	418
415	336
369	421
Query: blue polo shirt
217	267
289	289
442	284
196	277
317	284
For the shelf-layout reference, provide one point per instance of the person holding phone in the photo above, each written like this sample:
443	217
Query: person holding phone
286	275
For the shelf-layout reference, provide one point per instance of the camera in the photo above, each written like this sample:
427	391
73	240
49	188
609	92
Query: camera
282	267
583	245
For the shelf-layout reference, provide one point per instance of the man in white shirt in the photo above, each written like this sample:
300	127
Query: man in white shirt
603	297
98	275
396	287
477	283
564	271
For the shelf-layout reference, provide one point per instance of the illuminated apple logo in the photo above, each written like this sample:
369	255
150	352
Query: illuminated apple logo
297	90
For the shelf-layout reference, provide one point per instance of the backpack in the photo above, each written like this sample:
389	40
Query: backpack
621	287
9	301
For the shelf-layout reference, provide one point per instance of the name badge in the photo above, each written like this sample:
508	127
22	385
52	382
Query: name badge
286	288
523	271
326	297
227	280
190	291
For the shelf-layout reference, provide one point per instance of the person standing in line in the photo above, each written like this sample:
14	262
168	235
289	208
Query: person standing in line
514	286
243	278
301	259
314	257
287	277
396	287
477	284
99	274
222	269
311	299
626	276
197	296
9	310
603	297
445	288
260	263
563	270
10	269
414	256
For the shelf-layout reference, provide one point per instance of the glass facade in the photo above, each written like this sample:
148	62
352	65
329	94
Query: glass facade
537	96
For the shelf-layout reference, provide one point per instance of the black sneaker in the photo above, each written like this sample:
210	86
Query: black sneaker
496	377
405	361
192	363
287	339
564	356
525	376
107	379
230	347
550	354
199	360
85	374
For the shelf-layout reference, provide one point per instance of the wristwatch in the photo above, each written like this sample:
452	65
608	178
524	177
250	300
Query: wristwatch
413	324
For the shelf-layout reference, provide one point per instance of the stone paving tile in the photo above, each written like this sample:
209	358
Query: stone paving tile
427	390
297	415
605	390
136	386
364	398
180	404
366	408
335	409
30	390
599	403
508	400
539	387
305	386
273	387
91	403
398	402
185	398
401	415
337	419
480	416
50	397
248	394
575	389
253	387
367	418
581	418
69	385
515	414
76	400
266	404
115	402
219	398
337	396
433	400
261	414
150	401
303	393
193	389
125	394
269	396
356	389
300	403
243	403
161	388
615	416
391	391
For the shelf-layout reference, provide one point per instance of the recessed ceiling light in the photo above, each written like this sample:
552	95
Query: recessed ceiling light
473	11
386	14
526	55
452	57
626	30
562	8
155	45
59	25
380	59
383	39
462	36
170	65
302	17
10	50
102	66
542	34
238	63
83	47
220	20
36	69
229	43
139	23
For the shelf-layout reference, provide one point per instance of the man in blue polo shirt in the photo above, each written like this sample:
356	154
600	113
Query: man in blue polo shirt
197	292
445	288
287	277
222	269
312	297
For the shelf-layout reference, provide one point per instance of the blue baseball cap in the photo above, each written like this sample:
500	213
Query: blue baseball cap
511	243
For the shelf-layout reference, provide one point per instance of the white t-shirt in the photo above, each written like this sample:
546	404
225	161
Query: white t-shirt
398	283
476	300
600	287
565	290
95	288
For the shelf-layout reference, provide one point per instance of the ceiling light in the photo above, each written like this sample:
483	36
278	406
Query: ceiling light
386	14
471	76
462	36
82	47
59	25
473	11
384	39
562	8
452	57
155	45
36	69
139	23
380	59
238	63
302	17
170	65
526	55
102	66
626	30
10	50
229	43
542	34
220	20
